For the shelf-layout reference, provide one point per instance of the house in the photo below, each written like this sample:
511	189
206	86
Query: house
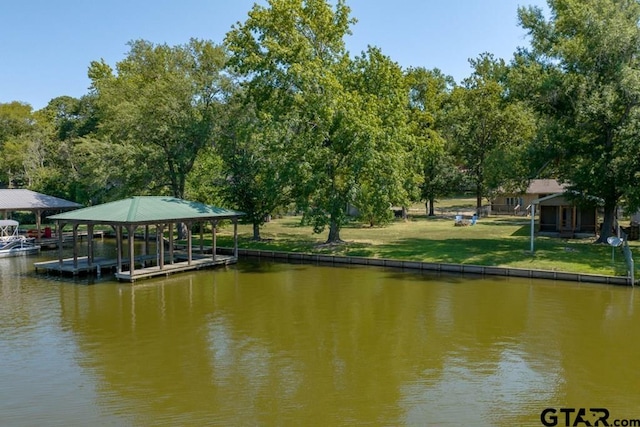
558	216
562	217
520	203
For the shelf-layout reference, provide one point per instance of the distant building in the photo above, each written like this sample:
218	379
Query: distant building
558	215
563	218
520	203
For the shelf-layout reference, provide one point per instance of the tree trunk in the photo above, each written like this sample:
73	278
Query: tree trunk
178	193
431	207
334	232
181	227
256	231
608	222
405	214
479	200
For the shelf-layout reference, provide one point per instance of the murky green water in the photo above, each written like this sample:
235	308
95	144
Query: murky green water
281	344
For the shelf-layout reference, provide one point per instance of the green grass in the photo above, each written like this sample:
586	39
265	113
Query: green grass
495	241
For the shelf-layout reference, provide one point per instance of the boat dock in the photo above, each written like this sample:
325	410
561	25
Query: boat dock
167	269
142	267
161	213
67	238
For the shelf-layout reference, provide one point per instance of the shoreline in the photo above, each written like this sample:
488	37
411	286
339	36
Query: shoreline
434	266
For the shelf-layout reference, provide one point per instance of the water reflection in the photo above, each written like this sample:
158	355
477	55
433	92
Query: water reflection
268	344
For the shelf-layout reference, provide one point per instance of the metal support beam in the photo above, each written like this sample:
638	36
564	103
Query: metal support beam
533	224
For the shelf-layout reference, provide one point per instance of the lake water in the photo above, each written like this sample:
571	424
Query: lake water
264	343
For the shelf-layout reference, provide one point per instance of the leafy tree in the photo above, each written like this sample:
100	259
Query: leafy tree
293	56
255	163
293	53
484	123
15	119
72	117
441	178
16	122
64	127
161	106
429	92
204	182
585	60
386	154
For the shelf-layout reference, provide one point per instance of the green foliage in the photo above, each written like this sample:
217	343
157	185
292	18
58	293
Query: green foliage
486	125
429	93
255	162
15	120
373	208
16	123
161	108
346	116
585	59
203	182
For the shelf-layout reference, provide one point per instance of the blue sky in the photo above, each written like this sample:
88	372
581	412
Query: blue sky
46	46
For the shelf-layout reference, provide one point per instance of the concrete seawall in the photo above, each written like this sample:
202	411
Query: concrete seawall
433	266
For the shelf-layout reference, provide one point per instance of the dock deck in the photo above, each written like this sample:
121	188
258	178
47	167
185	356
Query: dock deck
176	267
141	271
67	237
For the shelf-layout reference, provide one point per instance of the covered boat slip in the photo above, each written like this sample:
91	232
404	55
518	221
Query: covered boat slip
21	200
125	217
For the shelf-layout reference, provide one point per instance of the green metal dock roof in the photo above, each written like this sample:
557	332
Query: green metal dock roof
146	210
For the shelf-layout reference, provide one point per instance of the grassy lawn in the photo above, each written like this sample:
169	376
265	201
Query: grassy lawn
497	241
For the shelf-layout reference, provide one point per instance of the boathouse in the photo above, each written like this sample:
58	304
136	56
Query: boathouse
562	217
22	200
149	213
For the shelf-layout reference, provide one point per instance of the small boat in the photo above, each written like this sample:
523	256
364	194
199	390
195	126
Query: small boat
14	244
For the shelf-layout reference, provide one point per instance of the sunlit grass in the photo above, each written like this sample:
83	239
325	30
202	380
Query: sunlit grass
495	241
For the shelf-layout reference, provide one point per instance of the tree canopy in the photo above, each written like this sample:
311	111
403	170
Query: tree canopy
282	116
161	107
485	124
585	59
346	114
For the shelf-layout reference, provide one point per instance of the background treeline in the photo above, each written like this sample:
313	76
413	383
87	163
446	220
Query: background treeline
280	115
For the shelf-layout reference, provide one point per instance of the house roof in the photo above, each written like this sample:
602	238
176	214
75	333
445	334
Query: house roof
594	200
146	210
545	186
546	198
27	200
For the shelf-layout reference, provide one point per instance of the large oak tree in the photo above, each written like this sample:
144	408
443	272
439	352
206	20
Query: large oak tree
486	124
162	105
345	113
583	71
